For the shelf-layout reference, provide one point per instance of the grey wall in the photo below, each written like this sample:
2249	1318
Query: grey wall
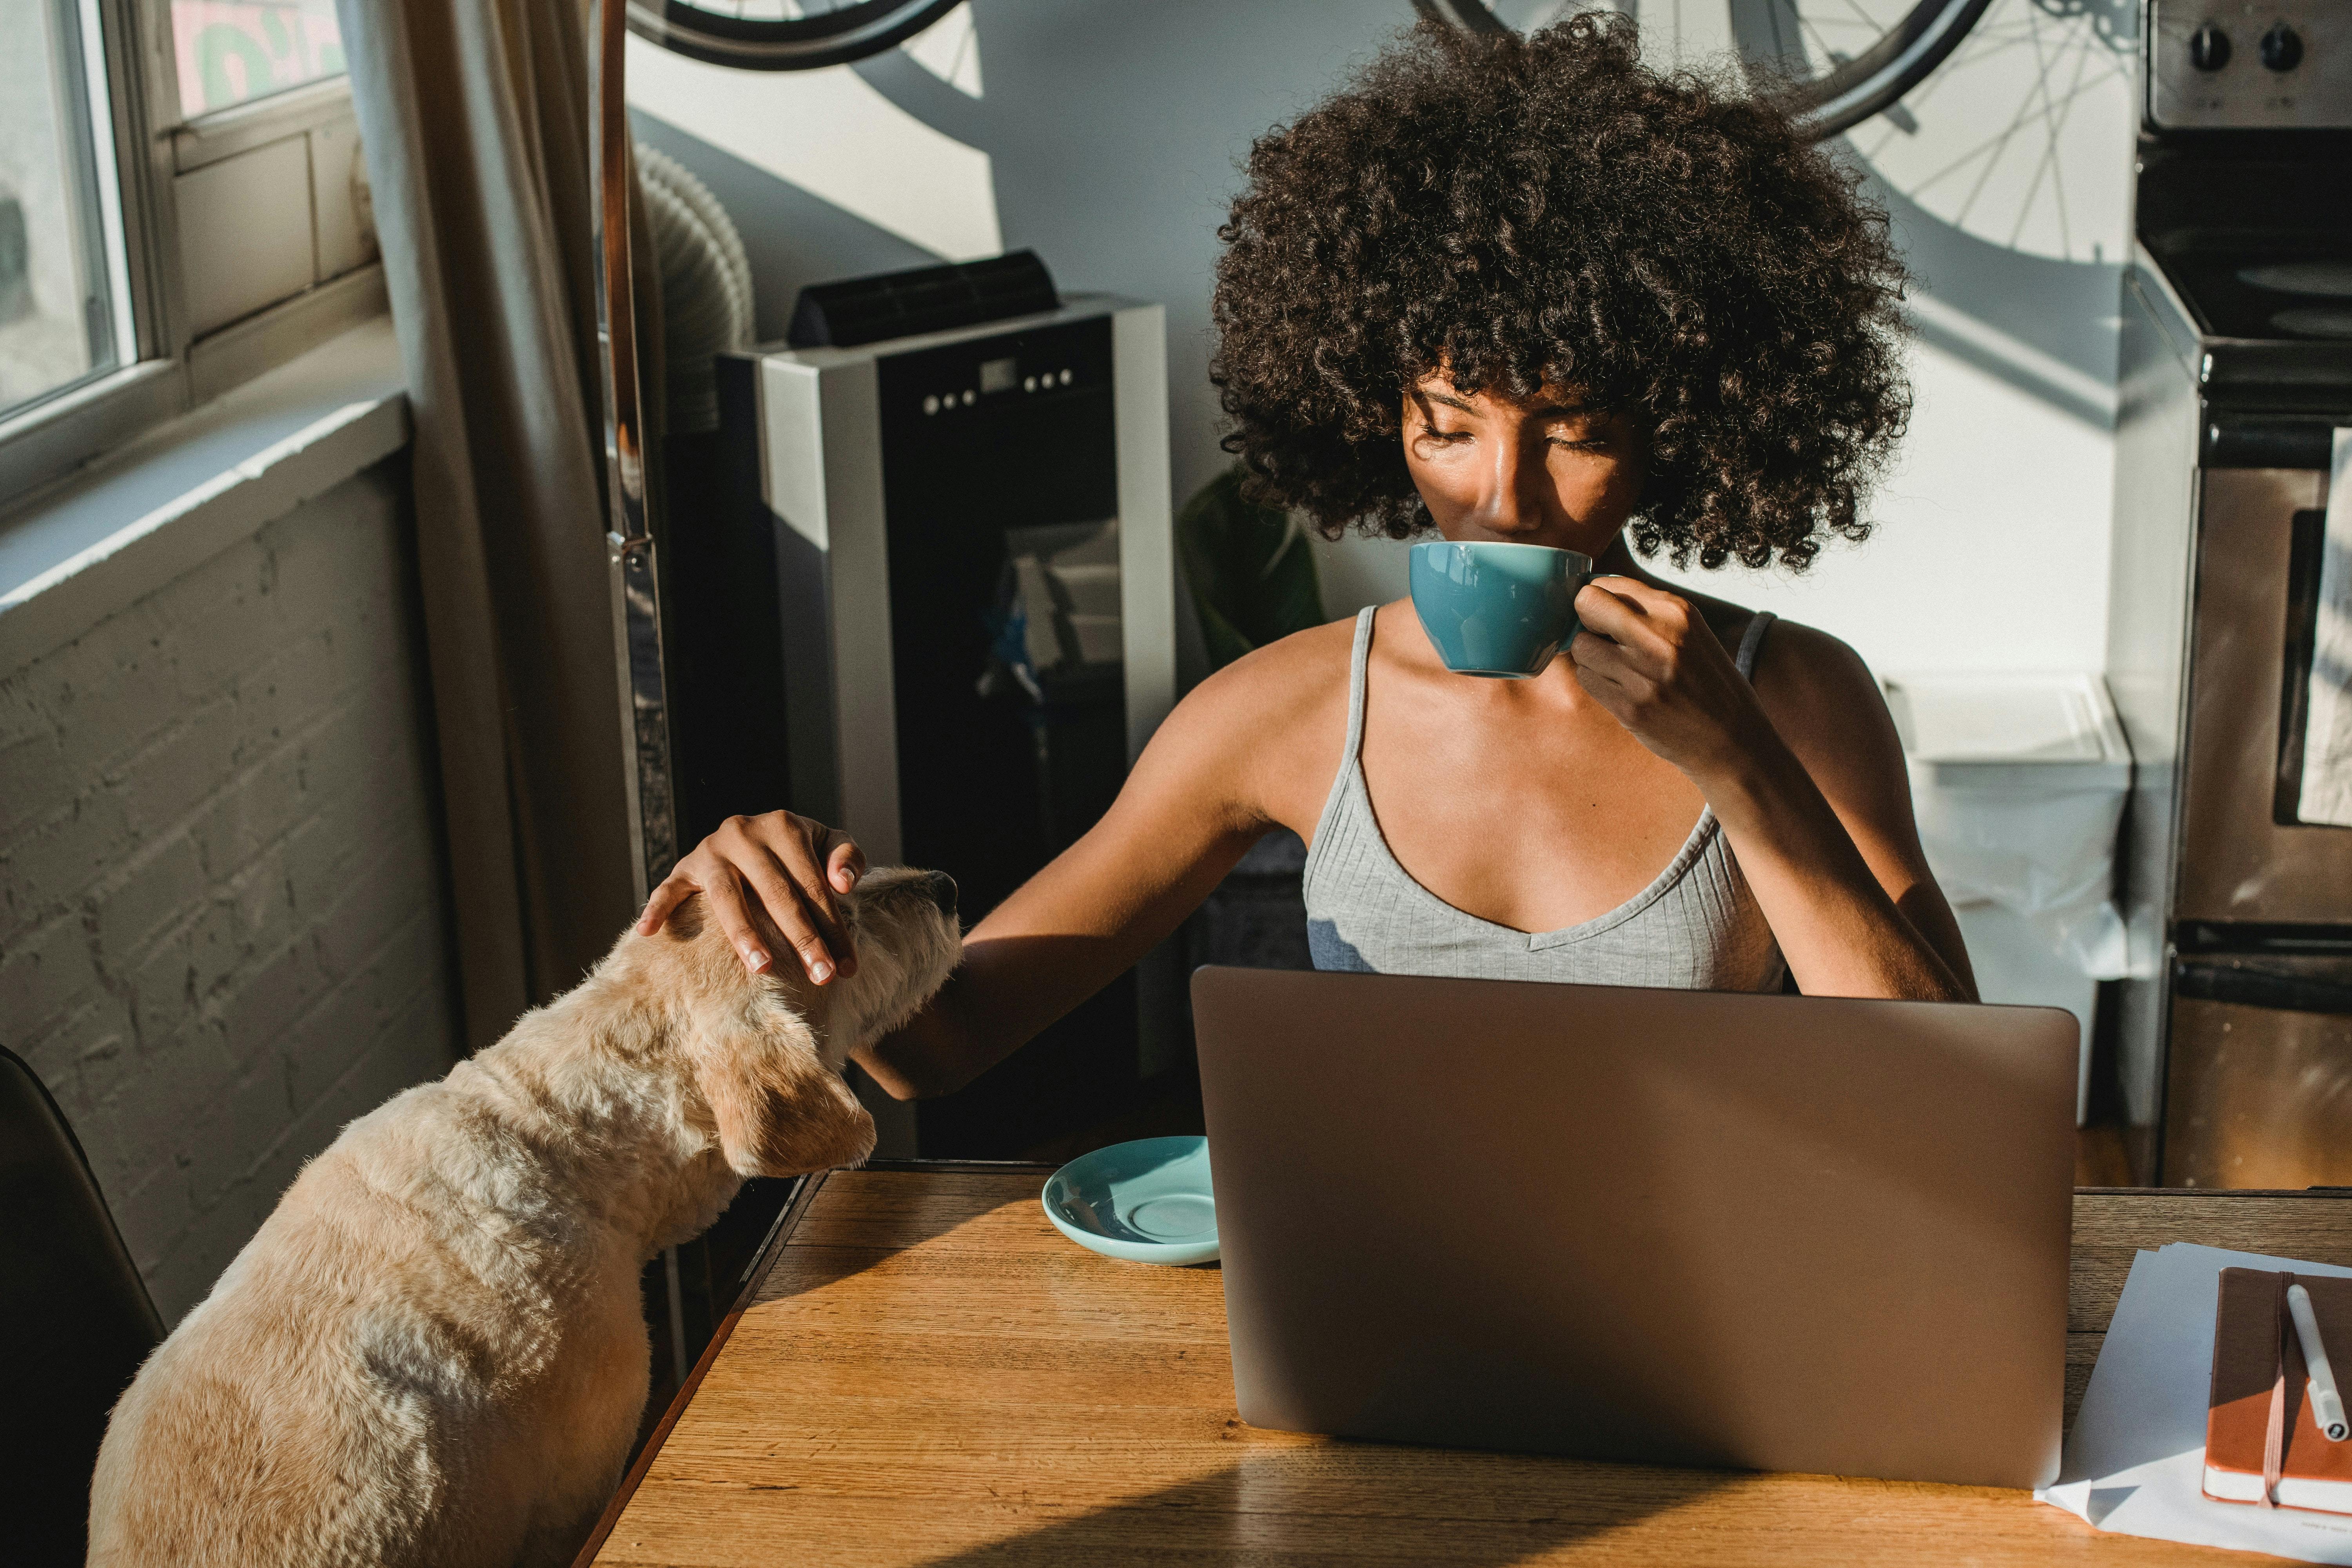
223	929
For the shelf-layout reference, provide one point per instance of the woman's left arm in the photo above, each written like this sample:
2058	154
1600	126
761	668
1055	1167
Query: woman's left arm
1805	772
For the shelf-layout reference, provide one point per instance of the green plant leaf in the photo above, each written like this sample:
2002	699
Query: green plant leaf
1251	570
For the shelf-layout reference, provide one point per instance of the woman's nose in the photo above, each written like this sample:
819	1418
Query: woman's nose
1511	496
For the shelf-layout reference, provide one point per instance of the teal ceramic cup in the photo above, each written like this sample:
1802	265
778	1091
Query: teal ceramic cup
1497	610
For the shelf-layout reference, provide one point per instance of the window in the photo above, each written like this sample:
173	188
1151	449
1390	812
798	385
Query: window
228	51
183	206
59	323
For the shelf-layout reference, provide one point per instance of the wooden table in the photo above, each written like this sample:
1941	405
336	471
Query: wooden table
924	1372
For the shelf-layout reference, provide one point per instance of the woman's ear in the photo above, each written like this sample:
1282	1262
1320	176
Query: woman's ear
780	1110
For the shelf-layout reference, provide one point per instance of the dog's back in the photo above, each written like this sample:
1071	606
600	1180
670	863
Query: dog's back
382	1376
432	1353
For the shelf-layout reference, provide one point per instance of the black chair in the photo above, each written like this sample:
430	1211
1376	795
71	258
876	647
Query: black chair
75	1322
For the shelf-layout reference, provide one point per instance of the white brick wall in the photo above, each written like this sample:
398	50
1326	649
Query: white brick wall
222	928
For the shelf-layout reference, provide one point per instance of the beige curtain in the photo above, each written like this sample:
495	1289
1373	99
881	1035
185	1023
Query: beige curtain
475	115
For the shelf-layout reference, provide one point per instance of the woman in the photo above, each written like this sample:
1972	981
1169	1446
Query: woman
1523	291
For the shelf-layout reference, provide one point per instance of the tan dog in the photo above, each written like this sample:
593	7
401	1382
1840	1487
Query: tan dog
432	1351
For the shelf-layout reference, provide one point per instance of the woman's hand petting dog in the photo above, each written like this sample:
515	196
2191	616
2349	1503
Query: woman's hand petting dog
771	874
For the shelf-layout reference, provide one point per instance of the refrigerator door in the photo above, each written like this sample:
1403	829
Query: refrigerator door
2260	1090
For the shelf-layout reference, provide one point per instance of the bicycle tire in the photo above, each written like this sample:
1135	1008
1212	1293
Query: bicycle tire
798	44
1838	99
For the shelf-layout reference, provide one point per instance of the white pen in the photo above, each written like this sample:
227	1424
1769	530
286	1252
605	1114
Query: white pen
2326	1404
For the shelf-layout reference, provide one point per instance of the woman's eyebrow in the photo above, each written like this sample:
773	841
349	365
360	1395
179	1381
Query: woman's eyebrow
1549	411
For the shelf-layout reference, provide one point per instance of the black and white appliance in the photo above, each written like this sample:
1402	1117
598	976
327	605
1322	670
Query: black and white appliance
933	604
2235	1046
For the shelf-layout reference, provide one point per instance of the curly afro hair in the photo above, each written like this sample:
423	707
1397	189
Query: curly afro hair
1522	211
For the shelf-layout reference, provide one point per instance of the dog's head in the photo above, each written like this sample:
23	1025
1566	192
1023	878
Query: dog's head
766	1051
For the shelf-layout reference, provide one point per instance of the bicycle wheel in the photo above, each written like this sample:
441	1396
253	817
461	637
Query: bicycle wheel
1832	63
782	35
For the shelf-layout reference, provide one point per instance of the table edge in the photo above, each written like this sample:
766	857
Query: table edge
796	1204
788	1219
2213	1191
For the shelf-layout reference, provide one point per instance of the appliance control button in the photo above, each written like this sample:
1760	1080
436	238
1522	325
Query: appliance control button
969	397
2208	47
1065	378
2282	47
931	405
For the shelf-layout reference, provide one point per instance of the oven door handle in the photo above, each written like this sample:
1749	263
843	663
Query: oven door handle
2260	988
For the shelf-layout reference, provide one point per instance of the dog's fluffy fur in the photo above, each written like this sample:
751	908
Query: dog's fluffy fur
432	1351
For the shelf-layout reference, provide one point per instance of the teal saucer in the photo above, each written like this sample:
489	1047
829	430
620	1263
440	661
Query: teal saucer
1147	1202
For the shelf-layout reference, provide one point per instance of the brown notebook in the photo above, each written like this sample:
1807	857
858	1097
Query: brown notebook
2259	1391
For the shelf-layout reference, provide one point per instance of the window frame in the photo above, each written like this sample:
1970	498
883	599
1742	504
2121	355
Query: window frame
166	369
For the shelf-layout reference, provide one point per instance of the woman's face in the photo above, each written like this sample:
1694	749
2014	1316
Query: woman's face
1546	471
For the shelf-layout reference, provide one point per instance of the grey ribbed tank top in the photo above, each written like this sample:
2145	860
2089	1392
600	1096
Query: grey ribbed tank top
1697	927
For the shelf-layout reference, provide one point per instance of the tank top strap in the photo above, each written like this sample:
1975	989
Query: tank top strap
1358	662
1752	639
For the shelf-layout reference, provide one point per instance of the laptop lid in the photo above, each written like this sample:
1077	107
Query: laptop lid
1685	1228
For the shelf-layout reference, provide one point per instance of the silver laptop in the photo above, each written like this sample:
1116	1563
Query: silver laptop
1780	1232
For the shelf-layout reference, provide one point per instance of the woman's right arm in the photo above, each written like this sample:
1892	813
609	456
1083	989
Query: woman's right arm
1092	911
1238	755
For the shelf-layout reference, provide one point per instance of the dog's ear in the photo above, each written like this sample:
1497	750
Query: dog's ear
780	1111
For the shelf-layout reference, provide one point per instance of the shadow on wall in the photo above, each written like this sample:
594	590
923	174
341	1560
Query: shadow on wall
1117	131
2045	326
1114	133
792	238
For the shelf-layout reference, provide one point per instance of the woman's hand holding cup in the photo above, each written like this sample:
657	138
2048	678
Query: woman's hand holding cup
1651	659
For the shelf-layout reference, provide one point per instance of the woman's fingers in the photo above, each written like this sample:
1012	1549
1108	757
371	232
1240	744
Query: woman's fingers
783	855
1600	656
722	894
1651	625
765	878
1616	618
786	910
1603	668
1604	609
845	866
673	890
813	924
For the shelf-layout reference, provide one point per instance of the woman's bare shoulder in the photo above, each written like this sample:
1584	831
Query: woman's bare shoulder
1825	703
1289	678
1808	664
1269	726
1799	669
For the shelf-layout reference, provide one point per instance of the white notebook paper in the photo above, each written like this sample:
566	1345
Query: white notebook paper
2135	1460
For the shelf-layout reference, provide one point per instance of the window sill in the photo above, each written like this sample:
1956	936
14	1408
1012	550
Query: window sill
182	493
240	128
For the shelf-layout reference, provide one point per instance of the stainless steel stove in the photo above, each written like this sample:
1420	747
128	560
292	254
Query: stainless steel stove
2234	1048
